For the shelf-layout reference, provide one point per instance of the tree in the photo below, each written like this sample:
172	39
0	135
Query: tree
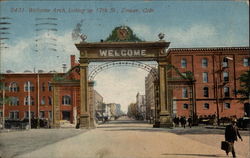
244	91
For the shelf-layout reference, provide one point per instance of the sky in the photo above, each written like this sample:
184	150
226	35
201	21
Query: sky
33	45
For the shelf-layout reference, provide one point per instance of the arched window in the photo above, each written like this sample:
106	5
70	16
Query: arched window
66	100
13	87
183	63
204	62
205	92
226	92
43	100
225	62
14	101
26	100
206	106
28	86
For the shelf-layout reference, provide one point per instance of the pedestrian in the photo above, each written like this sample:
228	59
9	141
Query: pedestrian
183	121
177	121
190	122
231	133
78	122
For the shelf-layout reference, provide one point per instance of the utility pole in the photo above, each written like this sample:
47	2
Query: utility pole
3	105
29	104
38	98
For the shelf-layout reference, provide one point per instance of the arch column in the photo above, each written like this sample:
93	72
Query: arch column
165	118
91	104
84	109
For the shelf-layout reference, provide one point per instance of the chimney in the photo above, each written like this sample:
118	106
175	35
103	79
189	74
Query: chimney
72	60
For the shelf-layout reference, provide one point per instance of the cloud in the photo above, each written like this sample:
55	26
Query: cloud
46	54
195	35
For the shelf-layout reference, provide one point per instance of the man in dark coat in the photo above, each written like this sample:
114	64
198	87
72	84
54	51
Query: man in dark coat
231	134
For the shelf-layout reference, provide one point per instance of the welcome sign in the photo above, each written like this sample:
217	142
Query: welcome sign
122	52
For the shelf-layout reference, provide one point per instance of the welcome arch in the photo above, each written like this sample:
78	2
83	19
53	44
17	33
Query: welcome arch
117	52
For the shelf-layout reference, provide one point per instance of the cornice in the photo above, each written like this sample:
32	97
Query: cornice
208	49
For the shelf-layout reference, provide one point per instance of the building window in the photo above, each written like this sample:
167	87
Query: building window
43	100
49	86
26	114
50	100
13	87
1	114
225	62
183	63
14	115
43	87
205	92
14	101
205	77
185	106
204	62
41	114
184	92
226	92
27	88
50	114
26	100
227	105
66	100
225	76
206	106
246	61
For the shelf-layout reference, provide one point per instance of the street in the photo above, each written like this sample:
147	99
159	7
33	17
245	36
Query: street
123	138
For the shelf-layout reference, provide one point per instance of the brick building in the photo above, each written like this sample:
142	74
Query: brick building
215	73
41	94
17	90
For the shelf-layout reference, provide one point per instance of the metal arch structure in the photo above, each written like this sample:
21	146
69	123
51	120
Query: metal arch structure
108	65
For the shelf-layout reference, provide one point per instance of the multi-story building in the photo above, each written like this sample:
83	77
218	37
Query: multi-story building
115	109
39	86
203	81
213	83
141	106
22	85
150	101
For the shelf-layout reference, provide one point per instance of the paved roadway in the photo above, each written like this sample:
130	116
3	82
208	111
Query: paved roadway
119	139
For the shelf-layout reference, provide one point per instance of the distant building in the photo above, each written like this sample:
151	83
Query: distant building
141	106
150	96
115	109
